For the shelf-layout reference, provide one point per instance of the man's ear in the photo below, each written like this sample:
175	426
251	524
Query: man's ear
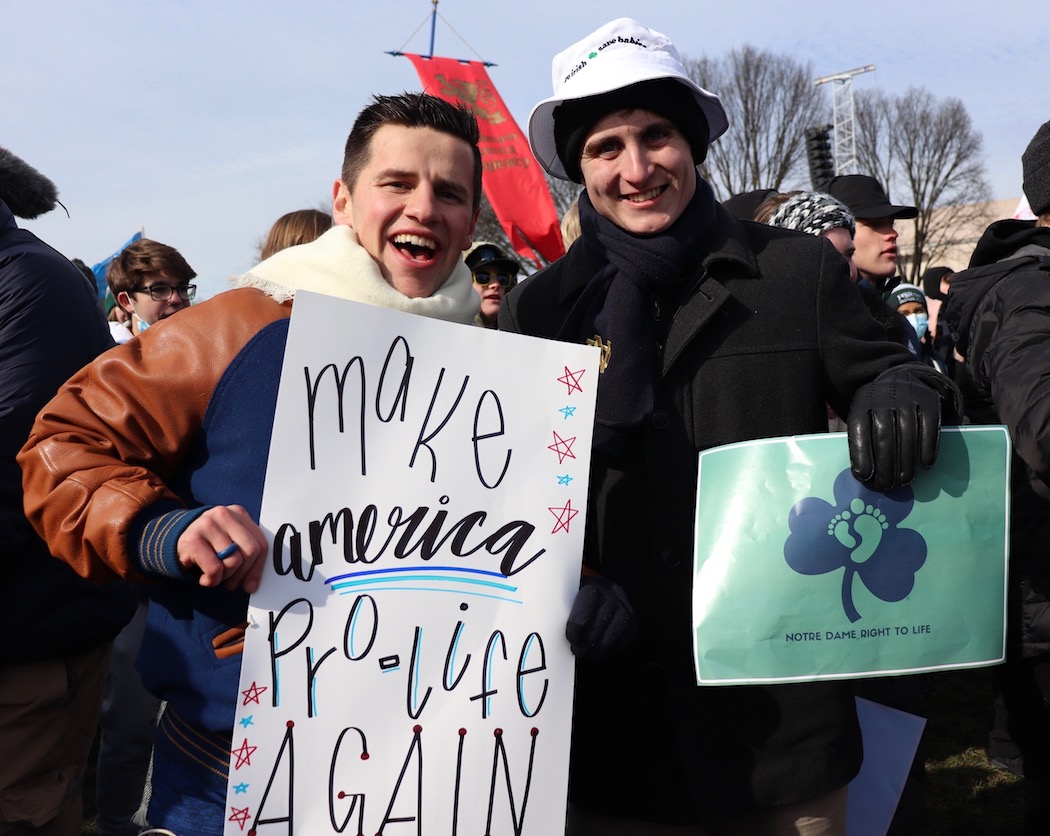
470	232
342	210
125	302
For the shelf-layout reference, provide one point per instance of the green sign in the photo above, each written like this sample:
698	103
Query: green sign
803	573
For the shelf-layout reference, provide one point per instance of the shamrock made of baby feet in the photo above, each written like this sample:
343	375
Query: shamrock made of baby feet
858	534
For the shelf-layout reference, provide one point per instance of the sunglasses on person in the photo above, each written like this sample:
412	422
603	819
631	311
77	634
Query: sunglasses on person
486	277
162	292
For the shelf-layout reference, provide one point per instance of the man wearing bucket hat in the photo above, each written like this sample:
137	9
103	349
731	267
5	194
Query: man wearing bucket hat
714	331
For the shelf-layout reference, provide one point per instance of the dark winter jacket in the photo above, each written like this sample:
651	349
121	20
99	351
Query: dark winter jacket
997	314
51	324
768	331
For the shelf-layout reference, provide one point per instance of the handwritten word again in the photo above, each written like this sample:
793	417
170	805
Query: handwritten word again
411	800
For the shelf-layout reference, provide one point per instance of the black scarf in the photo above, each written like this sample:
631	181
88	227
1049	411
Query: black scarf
615	306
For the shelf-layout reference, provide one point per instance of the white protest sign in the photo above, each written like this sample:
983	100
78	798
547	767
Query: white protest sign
405	669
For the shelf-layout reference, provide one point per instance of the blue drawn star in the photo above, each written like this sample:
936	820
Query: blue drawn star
247	721
239	789
568	412
564	479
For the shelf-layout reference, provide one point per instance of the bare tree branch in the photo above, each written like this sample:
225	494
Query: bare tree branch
770	100
941	162
926	153
873	134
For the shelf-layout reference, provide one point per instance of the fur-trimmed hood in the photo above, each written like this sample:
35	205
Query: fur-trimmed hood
27	192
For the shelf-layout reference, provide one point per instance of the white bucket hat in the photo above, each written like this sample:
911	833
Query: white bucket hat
621	53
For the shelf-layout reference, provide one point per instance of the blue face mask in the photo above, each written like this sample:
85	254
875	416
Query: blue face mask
919	321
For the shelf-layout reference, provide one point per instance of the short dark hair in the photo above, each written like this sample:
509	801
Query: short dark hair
145	256
410	110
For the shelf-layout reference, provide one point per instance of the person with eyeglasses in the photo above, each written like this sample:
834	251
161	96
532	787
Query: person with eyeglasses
494	273
150	281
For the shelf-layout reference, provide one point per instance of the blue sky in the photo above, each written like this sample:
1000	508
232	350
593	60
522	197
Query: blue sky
202	122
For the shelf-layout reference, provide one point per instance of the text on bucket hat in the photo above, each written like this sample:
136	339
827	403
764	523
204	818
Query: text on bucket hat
621	53
866	198
1035	163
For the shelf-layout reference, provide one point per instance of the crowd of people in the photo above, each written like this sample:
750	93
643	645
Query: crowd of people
132	475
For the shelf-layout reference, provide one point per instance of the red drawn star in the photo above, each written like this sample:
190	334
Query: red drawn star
244	754
571	379
253	694
562	446
564	515
239	815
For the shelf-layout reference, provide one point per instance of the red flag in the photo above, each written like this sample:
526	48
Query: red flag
512	180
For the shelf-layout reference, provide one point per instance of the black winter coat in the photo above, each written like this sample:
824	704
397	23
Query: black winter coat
997	312
769	329
51	324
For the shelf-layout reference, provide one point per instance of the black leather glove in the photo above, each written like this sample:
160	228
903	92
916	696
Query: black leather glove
601	621
894	425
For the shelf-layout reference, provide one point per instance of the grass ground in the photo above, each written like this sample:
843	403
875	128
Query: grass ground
964	795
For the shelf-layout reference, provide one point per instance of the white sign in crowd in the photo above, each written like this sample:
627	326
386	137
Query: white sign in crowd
405	669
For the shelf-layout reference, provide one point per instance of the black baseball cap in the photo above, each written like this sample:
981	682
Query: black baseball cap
490	254
866	198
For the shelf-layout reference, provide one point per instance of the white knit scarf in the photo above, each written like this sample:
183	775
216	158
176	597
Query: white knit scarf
337	265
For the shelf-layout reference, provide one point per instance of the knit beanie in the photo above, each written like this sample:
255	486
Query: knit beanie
666	97
813	213
1035	163
906	293
931	282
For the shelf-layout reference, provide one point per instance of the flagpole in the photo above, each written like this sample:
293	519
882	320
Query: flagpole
466	82
433	26
398	53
